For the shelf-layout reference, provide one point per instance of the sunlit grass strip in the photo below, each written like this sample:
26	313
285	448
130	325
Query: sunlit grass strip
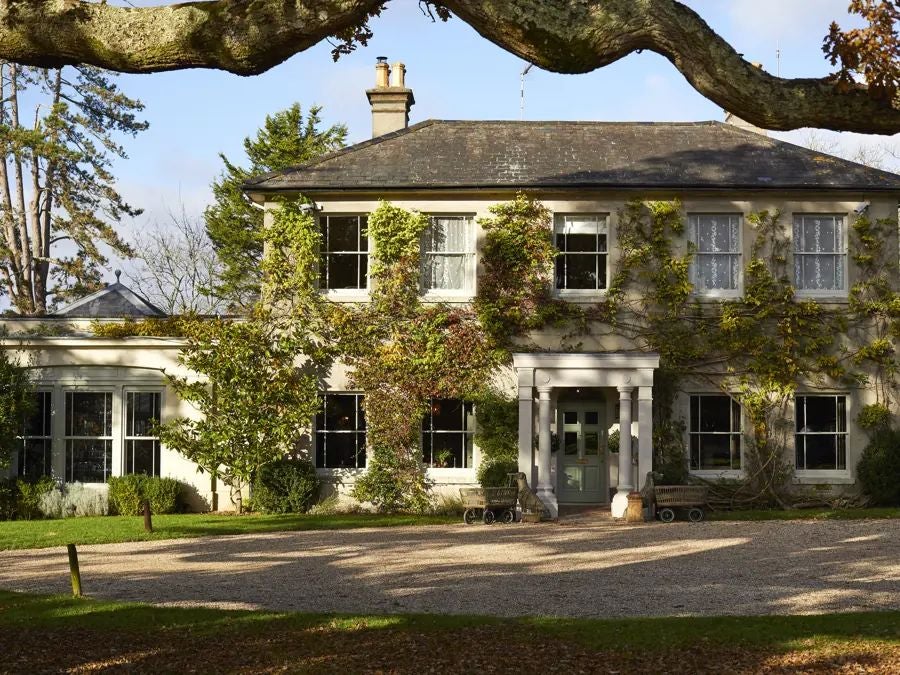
22	534
779	632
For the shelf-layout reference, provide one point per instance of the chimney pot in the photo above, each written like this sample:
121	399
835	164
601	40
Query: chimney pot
390	99
398	75
382	73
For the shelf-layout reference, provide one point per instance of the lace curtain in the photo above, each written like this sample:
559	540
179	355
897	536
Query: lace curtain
447	253
717	260
819	253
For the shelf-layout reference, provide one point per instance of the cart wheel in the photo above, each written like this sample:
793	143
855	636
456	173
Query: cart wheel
489	517
695	515
509	516
666	515
469	517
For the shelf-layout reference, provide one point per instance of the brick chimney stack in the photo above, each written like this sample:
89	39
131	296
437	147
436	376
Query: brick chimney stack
390	99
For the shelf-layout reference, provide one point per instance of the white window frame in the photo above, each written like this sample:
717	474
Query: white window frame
693	224
468	289
110	438
361	228
562	225
845	435
739	433
797	254
47	437
469	435
359	396
125	437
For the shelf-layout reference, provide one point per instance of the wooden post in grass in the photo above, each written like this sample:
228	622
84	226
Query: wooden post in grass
148	523
74	571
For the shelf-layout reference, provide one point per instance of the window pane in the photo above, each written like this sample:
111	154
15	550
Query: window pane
581	242
570	442
821	452
591	443
448	450
448	235
591	417
715	413
142	457
38	422
340	451
343	233
719	272
715	451
340	412
34	458
581	272
570	417
141	411
445	271
343	270
88	460
821	414
88	414
447	415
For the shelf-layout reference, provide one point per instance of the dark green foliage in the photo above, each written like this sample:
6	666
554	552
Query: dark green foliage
21	499
879	468
127	494
494	472
29	497
874	417
233	224
497	437
16	402
285	486
9	494
63	162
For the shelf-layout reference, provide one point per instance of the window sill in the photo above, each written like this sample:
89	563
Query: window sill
717	474
586	295
448	296
710	296
339	475
838	477
828	296
348	295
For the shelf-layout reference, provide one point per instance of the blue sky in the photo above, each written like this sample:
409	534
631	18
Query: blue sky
454	73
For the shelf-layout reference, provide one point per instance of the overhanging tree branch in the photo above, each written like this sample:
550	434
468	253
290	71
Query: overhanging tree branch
248	37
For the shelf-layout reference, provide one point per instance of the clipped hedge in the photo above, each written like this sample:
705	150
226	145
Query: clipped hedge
285	486
127	494
879	468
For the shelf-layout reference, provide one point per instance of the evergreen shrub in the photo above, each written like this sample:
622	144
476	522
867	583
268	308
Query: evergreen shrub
127	494
285	486
879	468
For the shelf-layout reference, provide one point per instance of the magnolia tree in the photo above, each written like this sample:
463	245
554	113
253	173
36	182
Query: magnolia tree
566	36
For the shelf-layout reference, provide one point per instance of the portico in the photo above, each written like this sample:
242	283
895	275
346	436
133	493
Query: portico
543	376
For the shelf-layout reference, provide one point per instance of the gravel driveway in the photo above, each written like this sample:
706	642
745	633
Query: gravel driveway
595	570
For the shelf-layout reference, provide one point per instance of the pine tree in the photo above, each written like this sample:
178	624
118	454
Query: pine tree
58	199
233	223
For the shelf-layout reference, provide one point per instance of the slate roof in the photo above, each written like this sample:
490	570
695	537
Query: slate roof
438	154
114	301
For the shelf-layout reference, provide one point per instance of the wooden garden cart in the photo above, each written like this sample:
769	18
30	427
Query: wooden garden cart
671	499
489	504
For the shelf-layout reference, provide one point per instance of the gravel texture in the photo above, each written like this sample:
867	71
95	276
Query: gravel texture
599	569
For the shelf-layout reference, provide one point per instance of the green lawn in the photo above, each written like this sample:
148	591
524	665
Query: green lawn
111	529
806	514
143	637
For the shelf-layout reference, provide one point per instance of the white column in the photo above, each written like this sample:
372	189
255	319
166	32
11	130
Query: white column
545	486
626	483
526	433
645	434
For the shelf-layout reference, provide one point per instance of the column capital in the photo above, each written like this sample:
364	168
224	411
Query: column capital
544	390
625	391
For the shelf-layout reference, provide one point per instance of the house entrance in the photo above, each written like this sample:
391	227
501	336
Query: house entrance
582	471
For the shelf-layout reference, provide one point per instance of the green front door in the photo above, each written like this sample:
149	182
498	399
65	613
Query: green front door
581	460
